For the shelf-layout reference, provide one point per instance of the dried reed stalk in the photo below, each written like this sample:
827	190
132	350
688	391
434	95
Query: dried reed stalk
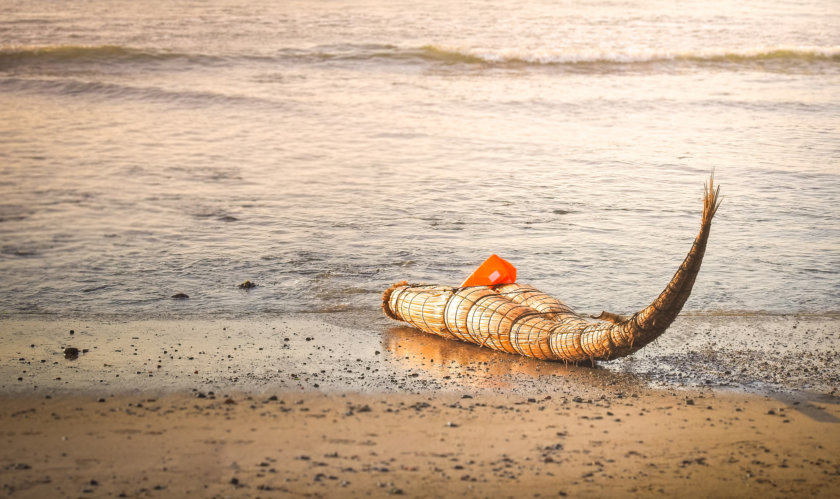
517	318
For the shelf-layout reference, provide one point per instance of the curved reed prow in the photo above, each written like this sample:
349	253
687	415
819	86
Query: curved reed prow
646	325
711	200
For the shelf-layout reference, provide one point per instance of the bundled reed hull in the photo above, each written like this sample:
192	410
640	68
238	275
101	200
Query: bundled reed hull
517	318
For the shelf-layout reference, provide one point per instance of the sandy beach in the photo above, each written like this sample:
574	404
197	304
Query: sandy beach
321	406
238	445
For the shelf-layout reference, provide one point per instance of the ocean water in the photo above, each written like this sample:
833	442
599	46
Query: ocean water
326	149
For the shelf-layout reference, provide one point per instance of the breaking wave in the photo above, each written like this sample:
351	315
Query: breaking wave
430	54
554	57
82	54
446	55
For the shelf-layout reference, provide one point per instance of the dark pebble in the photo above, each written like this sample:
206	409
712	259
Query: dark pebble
247	285
234	481
71	353
180	296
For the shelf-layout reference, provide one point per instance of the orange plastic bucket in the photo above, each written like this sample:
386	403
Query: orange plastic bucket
494	270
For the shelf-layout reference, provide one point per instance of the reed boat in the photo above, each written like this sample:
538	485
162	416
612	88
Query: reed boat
519	319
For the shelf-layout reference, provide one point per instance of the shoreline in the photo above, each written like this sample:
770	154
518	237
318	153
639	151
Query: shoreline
348	406
367	353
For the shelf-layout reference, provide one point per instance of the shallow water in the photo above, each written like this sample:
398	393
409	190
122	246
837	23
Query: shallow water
327	150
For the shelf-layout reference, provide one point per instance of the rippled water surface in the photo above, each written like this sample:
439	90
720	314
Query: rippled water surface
324	150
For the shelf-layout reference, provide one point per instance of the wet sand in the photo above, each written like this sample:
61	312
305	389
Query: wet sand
322	405
366	352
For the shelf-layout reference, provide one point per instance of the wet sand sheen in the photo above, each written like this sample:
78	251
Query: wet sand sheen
369	353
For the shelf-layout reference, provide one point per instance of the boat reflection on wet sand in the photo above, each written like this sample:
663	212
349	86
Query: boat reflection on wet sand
456	363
